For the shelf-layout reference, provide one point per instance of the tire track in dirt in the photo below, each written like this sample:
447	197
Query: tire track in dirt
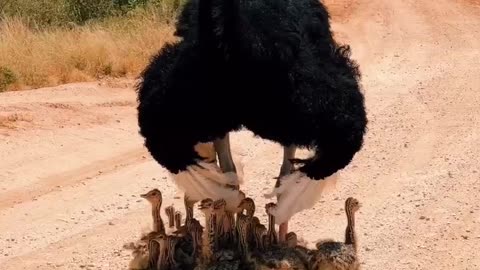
55	183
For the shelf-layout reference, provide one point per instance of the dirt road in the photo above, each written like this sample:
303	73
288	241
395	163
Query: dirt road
72	163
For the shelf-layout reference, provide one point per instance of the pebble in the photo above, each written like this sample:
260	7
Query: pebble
111	223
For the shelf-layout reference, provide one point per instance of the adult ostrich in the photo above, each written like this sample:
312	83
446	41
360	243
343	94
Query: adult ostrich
271	66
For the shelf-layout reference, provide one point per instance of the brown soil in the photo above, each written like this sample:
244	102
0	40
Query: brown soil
73	164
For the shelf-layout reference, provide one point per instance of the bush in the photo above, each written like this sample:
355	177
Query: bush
38	12
80	11
49	42
7	77
43	13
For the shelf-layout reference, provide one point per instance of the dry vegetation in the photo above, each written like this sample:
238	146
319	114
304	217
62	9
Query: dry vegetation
36	54
51	42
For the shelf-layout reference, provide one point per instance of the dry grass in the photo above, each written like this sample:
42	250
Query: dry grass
118	47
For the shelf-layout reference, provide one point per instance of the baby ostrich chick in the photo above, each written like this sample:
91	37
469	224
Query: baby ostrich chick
178	220
188	210
292	240
242	228
272	239
145	252
208	240
260	233
254	241
154	250
243	262
170	212
271	255
337	255
301	251
184	243
154	196
196	231
162	259
170	251
224	224
224	248
248	205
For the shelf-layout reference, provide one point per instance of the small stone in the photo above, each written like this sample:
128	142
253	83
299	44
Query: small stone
465	237
111	223
422	217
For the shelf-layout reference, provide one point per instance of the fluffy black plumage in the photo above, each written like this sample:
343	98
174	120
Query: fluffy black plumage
271	66
178	106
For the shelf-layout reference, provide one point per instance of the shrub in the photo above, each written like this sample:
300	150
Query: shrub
7	77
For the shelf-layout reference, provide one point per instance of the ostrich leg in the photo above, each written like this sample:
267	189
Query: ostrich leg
222	147
230	171
286	168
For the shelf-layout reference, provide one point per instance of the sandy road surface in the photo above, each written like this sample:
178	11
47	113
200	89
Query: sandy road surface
72	164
